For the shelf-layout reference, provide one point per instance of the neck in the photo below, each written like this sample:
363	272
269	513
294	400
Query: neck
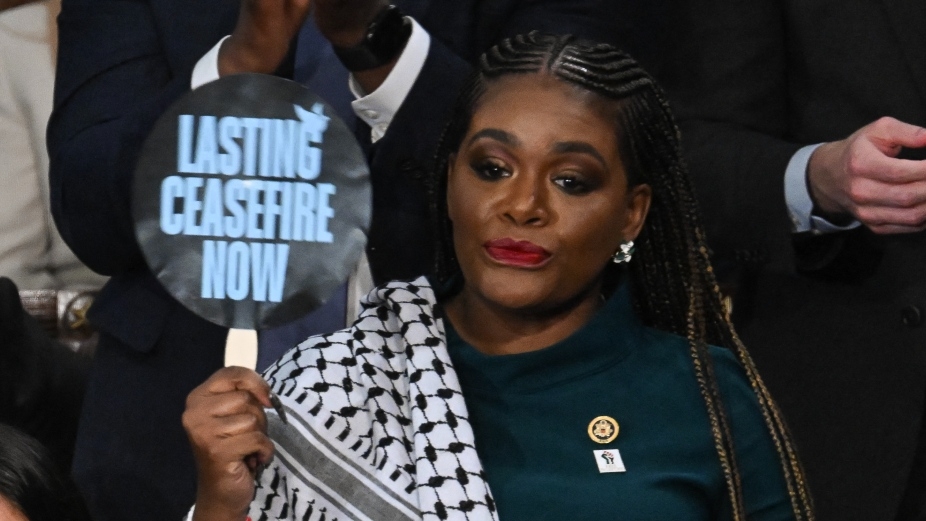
496	330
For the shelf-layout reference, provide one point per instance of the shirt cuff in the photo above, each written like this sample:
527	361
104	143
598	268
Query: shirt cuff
207	68
797	197
378	108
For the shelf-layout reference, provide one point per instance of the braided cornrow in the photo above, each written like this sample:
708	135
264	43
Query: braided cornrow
674	285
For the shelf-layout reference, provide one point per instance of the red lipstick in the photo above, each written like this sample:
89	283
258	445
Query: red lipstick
516	253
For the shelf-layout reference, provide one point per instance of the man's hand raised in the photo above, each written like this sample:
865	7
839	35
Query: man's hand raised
262	36
266	29
862	177
344	22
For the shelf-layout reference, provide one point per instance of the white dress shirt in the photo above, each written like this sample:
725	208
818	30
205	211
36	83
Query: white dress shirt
797	197
376	108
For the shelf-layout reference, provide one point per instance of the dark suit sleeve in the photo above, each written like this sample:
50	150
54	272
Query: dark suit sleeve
730	92
400	242
115	77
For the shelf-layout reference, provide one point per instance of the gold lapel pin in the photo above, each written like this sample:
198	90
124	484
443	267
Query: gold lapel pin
603	429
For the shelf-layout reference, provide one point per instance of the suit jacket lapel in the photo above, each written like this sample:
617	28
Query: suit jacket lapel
908	18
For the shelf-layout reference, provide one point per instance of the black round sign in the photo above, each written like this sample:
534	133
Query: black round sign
251	201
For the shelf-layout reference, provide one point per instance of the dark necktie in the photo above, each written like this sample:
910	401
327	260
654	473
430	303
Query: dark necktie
316	67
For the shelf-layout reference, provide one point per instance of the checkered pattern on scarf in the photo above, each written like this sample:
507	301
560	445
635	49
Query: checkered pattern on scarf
382	397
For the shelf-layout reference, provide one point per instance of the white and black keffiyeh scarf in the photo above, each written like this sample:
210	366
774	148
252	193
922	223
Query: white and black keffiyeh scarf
377	426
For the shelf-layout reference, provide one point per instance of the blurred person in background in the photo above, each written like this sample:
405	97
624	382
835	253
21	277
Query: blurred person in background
41	380
805	127
32	488
32	252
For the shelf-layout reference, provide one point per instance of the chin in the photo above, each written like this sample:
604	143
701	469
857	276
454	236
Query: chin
536	291
517	289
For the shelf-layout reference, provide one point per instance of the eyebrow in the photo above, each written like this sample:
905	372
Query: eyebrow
497	135
563	147
580	147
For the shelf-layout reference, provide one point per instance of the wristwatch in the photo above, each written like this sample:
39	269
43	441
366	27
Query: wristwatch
385	38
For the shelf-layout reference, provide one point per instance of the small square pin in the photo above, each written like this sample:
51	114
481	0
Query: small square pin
609	461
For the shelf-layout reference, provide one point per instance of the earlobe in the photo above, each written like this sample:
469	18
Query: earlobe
638	202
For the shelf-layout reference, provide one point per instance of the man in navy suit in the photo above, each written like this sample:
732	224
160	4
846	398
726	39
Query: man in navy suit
122	63
805	121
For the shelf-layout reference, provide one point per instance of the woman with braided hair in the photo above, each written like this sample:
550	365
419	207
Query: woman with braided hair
569	358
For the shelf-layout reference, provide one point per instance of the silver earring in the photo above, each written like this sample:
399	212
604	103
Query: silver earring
624	254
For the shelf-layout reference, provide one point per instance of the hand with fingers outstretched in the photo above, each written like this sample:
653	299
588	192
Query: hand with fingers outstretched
225	422
862	177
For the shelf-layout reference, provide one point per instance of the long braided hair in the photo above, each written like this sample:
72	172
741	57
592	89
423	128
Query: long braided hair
674	288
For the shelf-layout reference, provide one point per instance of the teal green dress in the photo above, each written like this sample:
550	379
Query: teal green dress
531	414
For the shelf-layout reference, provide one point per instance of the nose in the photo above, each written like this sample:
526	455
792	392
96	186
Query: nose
526	200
